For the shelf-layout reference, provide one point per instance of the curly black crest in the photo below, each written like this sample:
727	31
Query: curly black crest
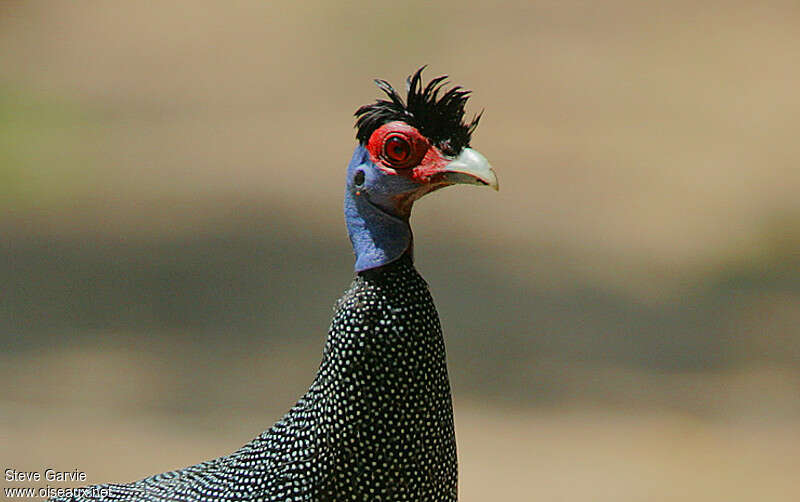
440	119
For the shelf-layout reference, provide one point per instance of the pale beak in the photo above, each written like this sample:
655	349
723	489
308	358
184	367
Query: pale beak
470	168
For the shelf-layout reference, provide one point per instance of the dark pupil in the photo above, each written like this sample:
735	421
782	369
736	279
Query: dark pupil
397	149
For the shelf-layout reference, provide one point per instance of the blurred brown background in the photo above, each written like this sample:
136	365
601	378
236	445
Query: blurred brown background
622	318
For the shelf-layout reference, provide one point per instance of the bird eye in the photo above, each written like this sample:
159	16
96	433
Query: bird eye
397	150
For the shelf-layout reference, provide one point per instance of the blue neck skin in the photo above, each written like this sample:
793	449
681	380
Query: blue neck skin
378	235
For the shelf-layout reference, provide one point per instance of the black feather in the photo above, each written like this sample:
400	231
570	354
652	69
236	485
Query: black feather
440	119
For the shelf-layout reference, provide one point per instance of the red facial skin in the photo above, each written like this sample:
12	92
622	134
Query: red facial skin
424	165
423	162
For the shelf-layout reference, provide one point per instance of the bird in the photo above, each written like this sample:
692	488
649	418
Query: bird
376	424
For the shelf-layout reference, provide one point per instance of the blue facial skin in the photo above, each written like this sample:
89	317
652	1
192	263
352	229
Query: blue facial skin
380	234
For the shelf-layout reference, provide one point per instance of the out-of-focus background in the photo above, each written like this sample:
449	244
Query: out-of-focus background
622	318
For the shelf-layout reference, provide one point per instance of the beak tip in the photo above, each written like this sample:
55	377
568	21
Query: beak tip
491	178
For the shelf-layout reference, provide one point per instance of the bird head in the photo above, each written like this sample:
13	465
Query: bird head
407	149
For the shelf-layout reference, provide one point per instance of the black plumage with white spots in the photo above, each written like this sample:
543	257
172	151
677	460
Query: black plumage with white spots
376	424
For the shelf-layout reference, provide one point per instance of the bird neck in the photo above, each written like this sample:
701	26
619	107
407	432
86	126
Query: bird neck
382	395
378	237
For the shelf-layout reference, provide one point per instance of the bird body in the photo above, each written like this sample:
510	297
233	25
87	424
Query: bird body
377	422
